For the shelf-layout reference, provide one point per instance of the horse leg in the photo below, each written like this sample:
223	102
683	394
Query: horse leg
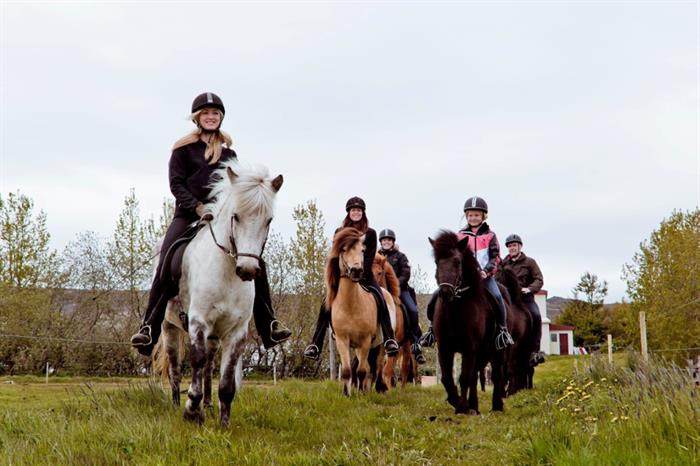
343	346
446	365
198	359
212	348
497	378
363	373
406	356
376	356
231	373
467	385
171	344
388	371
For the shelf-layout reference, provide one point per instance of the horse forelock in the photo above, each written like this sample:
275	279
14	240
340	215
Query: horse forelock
444	244
252	189
346	238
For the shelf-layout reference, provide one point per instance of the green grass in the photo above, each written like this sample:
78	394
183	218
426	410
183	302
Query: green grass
310	422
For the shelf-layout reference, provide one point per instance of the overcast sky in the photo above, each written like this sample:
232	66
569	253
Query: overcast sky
577	122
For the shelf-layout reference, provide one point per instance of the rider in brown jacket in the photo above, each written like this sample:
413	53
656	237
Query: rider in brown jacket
530	279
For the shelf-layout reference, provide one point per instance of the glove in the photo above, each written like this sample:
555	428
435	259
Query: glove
526	291
203	212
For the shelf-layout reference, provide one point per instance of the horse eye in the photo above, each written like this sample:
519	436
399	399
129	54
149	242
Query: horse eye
235	217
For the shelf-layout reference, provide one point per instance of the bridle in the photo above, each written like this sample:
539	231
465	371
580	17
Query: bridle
455	287
345	269
233	252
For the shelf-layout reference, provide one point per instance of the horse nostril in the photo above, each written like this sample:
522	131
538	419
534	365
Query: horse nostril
239	270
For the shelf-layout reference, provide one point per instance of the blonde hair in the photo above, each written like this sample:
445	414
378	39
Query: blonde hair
218	139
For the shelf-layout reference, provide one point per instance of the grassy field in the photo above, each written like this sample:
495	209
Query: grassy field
581	412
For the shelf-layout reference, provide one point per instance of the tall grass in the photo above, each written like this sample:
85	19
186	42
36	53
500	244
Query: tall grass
638	413
590	415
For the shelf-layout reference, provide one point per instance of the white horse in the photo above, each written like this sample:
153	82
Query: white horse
217	289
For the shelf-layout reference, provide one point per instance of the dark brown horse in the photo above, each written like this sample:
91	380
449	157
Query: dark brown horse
465	323
517	369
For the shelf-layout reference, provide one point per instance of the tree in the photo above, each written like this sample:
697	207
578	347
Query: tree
26	261
663	280
130	253
586	311
419	280
85	262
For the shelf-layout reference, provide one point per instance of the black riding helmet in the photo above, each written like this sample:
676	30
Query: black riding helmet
354	202
513	239
476	203
208	99
387	233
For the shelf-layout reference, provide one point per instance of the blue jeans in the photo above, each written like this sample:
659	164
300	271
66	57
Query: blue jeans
412	311
492	287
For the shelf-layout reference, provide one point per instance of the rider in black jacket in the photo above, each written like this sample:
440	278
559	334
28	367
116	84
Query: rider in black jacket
399	262
356	218
195	157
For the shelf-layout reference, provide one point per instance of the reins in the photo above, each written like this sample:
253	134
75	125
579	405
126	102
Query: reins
233	252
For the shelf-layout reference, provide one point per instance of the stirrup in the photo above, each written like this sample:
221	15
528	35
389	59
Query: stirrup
503	339
316	352
393	351
428	338
272	330
150	338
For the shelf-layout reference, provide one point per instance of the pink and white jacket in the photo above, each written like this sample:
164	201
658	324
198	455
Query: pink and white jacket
484	246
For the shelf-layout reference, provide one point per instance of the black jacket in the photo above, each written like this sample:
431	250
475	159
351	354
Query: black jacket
190	176
527	271
399	262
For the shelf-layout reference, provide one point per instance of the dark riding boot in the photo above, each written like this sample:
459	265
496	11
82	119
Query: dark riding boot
313	351
148	334
428	338
271	331
390	344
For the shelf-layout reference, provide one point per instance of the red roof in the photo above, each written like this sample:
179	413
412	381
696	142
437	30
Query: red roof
560	327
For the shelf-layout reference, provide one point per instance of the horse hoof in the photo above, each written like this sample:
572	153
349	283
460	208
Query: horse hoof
473	412
194	416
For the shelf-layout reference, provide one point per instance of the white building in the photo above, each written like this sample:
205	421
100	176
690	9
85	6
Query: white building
556	339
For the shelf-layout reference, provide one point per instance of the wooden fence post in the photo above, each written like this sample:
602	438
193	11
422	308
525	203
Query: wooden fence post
610	349
643	335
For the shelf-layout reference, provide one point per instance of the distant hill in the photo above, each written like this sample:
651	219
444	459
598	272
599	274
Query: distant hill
555	305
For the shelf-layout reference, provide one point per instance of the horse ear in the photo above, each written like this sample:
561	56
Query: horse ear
432	241
277	183
232	175
462	244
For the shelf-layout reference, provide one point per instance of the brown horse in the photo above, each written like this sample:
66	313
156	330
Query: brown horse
517	369
464	322
353	309
387	279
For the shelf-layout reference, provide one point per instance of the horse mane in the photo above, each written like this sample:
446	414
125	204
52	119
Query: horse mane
445	243
508	279
344	239
252	190
392	281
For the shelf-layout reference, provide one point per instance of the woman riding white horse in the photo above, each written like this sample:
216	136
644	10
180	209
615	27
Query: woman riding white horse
194	159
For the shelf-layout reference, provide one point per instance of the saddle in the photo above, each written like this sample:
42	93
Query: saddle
171	268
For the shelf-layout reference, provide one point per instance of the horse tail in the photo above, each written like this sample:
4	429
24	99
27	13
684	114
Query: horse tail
332	281
160	362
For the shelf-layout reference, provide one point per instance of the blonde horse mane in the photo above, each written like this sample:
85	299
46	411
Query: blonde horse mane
344	239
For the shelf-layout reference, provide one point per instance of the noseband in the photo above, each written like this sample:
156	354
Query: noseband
454	287
233	252
345	268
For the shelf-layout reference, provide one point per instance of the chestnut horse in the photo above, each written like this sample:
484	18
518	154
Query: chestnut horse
386	278
353	309
464	322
